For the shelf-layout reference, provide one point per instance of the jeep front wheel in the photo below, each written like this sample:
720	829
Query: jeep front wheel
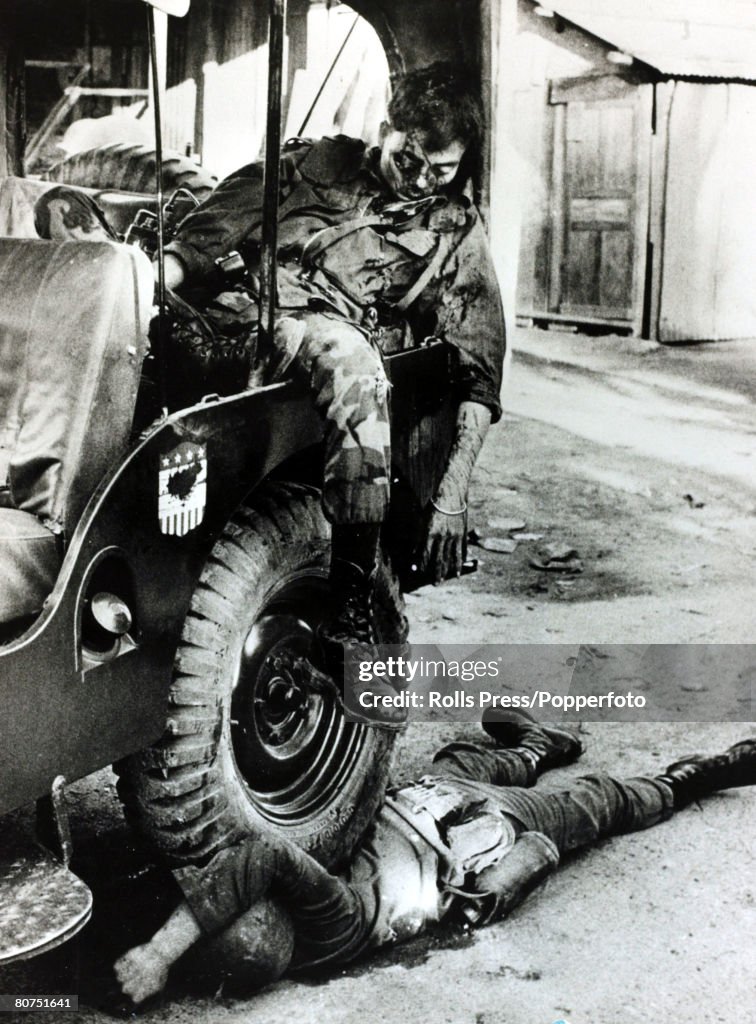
247	741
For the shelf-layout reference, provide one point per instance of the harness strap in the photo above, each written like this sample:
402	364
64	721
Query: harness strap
327	237
425	279
422	823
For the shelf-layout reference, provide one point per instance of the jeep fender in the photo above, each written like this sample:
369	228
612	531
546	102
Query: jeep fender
72	714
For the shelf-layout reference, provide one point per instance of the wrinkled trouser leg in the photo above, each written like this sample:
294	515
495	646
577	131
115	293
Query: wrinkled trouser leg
496	767
579	814
348	383
328	916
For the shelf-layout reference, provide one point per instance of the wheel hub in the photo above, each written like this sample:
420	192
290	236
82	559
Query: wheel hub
282	704
292	747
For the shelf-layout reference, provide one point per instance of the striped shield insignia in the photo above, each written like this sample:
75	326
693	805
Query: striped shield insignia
182	488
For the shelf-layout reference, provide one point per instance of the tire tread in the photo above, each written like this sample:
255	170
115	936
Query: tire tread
175	793
130	167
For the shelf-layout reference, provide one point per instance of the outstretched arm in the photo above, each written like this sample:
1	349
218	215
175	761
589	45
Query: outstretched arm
143	971
445	538
230	216
328	915
175	275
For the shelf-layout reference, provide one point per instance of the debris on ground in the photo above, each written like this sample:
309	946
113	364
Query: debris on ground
527	536
590	653
503	545
506	525
556	552
557	558
693	502
539	587
563	586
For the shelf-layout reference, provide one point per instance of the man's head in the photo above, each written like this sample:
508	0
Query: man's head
435	118
254	951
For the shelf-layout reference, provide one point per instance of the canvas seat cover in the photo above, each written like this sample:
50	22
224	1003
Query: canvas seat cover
29	563
73	328
18	197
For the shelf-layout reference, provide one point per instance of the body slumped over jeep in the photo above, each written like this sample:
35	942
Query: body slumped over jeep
163	579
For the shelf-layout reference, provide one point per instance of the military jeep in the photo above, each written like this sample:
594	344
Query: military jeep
162	580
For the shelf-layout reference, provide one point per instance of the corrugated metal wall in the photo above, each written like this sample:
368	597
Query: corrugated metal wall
708	286
701	281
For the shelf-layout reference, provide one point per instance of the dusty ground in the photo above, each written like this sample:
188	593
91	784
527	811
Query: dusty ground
602	440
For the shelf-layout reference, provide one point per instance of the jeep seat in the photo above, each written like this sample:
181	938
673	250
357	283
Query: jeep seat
19	197
73	329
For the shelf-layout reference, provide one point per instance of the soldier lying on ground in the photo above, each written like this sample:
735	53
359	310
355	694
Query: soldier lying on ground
369	240
471	839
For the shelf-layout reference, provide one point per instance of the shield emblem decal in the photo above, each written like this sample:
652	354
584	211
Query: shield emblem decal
182	488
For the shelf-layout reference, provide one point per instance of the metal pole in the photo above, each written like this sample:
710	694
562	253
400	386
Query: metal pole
160	354
328	74
272	174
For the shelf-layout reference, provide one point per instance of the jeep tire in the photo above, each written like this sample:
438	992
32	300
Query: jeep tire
246	742
130	167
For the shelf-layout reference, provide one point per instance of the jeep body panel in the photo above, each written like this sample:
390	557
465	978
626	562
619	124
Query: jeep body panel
89	713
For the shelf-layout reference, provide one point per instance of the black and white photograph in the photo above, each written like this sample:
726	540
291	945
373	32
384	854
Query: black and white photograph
377	511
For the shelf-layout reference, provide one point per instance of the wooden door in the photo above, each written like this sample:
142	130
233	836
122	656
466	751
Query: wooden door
600	200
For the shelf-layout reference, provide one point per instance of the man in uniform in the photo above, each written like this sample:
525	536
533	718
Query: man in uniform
371	243
371	240
472	839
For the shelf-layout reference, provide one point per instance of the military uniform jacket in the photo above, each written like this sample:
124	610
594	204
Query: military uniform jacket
346	246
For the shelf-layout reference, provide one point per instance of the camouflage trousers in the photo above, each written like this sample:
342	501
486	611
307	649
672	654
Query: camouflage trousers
345	375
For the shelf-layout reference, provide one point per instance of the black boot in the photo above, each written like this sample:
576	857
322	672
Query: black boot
552	745
354	557
346	638
697	776
352	616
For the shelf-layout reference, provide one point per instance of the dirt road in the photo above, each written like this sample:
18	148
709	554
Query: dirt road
646	471
598	451
653	927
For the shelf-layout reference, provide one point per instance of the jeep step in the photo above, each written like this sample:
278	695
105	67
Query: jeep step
42	903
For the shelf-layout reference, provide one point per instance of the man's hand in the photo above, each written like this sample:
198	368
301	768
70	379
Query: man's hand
444	547
445	538
174	271
142	972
